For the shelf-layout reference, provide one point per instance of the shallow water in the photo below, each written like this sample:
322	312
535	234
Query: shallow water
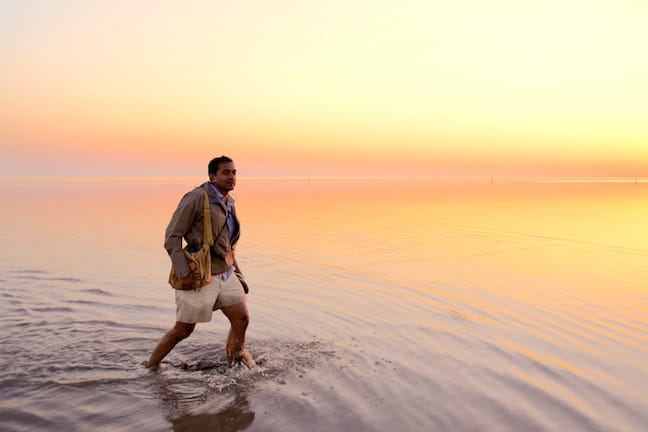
376	305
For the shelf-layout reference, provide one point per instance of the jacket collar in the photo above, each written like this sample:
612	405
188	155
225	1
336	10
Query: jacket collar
215	197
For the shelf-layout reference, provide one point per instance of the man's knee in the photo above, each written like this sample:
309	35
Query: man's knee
242	320
183	330
237	315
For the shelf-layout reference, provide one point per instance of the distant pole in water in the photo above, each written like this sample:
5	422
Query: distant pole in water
492	181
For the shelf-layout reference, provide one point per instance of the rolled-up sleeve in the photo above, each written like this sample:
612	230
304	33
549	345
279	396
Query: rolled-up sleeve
181	221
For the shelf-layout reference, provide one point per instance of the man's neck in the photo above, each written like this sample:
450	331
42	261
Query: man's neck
224	193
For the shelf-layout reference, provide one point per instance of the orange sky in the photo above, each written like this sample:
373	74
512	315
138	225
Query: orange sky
502	88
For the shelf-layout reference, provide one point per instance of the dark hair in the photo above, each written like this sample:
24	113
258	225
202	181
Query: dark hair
214	164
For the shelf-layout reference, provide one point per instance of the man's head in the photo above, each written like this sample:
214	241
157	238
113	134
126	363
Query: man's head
222	173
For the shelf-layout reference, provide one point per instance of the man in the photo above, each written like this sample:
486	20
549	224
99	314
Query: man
227	289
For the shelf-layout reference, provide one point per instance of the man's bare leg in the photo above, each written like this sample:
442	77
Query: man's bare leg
239	318
179	332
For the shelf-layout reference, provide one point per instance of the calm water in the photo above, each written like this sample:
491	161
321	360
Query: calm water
376	305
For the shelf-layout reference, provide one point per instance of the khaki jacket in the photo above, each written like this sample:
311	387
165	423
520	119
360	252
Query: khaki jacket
187	223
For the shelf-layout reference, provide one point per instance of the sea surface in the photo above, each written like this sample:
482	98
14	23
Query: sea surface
376	305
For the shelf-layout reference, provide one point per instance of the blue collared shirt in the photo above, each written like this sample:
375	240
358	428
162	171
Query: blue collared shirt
231	222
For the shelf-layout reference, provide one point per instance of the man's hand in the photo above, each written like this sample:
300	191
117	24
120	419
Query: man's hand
187	282
229	259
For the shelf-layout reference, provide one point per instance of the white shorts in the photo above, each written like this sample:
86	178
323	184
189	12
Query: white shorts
198	306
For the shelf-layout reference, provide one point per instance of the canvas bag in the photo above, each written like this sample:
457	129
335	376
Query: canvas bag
200	261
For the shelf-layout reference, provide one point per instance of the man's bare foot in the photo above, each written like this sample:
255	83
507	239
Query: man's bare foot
151	367
246	358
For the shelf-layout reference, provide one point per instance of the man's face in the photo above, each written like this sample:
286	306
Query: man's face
225	178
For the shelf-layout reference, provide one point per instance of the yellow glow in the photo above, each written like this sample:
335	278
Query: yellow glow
420	87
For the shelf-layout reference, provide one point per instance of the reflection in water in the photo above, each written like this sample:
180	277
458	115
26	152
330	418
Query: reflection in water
234	417
193	403
222	412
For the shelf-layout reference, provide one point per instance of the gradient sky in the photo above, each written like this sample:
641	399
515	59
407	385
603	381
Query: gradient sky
353	87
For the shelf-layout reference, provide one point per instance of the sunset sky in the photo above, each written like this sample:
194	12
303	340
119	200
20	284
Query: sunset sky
353	87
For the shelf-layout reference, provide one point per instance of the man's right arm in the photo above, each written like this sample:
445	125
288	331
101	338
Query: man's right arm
181	221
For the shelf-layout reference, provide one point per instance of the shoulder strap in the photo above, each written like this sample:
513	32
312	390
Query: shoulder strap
208	236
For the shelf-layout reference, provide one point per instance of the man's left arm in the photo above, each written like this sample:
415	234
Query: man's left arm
237	269
239	273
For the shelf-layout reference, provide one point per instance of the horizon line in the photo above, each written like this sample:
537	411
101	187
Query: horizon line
347	177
